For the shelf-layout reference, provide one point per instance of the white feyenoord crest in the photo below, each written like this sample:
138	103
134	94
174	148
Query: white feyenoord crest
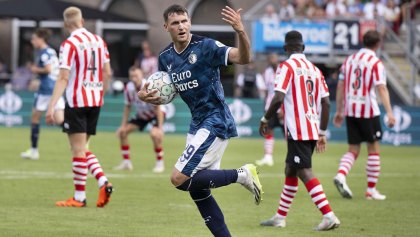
192	58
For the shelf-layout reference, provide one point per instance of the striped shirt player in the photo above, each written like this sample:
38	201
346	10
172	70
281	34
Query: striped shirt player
145	113
304	86
84	54
84	72
361	74
300	87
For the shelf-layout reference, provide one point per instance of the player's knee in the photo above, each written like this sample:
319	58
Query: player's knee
179	180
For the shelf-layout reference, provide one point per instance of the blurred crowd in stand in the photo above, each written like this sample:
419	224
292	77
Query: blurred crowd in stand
389	12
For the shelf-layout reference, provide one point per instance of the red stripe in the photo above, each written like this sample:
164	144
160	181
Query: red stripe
362	110
79	159
347	80
100	68
100	174
289	74
71	52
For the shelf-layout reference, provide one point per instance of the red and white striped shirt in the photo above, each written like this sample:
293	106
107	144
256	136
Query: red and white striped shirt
144	110
84	54
362	71
304	86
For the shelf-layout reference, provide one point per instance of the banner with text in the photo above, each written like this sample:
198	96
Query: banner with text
270	36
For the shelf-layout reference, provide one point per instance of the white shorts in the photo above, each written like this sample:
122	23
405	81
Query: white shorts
41	102
203	151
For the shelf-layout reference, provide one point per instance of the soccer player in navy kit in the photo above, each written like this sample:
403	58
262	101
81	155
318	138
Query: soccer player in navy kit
193	63
46	67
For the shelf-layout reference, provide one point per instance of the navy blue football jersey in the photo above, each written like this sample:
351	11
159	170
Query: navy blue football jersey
195	73
44	57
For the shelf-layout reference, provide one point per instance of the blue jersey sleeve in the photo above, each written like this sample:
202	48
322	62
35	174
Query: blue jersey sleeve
45	59
161	67
217	52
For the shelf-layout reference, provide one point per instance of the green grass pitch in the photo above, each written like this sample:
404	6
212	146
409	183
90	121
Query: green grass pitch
145	204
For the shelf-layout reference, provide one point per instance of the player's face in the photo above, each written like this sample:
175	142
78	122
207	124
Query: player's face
36	41
178	26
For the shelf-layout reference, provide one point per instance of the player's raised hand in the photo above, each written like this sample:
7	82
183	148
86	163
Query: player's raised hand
233	18
149	96
321	144
338	120
49	116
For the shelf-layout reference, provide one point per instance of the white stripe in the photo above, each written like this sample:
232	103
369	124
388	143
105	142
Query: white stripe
322	204
316	189
79	170
94	166
291	187
124	152
285	203
286	198
284	209
79	163
319	197
79	182
84	177
373	180
369	162
289	193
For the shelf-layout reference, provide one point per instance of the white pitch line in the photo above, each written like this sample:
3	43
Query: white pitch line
16	174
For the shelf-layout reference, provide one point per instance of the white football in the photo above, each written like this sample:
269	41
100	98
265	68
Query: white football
161	82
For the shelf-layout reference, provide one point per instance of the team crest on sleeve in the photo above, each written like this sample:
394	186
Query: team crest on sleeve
219	44
192	58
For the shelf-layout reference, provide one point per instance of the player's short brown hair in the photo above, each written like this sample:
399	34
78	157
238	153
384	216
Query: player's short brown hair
72	16
371	38
43	33
178	9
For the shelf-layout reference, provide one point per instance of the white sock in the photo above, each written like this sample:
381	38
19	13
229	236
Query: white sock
241	175
79	196
101	181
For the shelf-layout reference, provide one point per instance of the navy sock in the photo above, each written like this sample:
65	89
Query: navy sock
211	213
34	135
206	179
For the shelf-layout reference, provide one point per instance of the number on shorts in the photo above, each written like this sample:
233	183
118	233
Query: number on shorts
189	151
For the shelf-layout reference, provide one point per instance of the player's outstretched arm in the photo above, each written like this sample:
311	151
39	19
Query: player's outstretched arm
149	96
242	54
60	86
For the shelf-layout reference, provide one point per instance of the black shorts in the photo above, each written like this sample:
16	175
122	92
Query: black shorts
81	120
141	123
275	122
363	130
299	153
